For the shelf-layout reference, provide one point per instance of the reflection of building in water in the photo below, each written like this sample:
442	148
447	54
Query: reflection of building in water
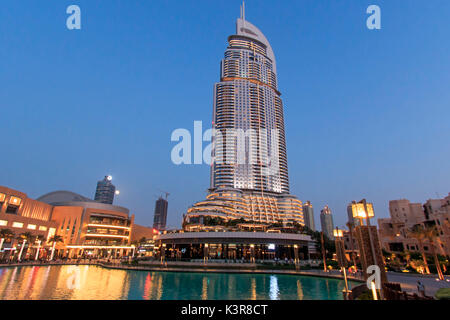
44	283
299	290
274	290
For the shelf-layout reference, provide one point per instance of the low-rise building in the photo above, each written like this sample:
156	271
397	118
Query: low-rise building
395	231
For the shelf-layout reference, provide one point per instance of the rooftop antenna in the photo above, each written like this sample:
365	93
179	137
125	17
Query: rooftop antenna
243	12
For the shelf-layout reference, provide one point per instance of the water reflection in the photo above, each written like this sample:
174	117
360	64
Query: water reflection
274	291
95	283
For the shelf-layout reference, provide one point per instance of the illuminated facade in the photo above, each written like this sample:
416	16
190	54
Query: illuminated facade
21	214
89	226
249	172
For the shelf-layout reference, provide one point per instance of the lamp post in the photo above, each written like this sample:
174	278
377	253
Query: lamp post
163	252
364	211
21	250
37	251
338	236
324	256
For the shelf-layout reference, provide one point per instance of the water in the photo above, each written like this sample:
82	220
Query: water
97	283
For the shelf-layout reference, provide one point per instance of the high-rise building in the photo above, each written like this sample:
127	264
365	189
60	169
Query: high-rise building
105	191
326	220
249	172
308	213
160	218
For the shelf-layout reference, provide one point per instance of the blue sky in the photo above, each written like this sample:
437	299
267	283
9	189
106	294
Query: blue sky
367	112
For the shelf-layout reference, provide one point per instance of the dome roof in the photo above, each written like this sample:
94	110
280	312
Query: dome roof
63	196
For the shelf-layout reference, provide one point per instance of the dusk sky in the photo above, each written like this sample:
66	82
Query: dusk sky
367	111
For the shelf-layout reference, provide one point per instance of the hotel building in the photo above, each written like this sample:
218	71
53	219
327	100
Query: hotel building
394	232
249	213
249	173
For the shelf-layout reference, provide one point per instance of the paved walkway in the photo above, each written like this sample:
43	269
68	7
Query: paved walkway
409	282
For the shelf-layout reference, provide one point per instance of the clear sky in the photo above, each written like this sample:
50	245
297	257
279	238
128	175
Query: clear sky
367	112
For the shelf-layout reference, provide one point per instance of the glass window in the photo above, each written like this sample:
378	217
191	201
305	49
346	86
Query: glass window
17	225
3	223
31	227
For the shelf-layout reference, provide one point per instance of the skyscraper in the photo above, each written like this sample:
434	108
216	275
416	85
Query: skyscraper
160	218
105	191
326	220
249	172
308	213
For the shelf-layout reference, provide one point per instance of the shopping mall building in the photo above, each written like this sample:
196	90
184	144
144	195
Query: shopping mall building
86	227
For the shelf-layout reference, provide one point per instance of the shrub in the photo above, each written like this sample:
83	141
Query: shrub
443	294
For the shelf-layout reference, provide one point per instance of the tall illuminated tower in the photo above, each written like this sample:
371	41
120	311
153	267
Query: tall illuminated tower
105	191
249	173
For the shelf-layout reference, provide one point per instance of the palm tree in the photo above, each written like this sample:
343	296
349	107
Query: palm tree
25	237
350	226
40	239
55	239
418	232
431	234
5	235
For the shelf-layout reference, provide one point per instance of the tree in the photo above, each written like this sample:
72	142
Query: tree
418	232
5	235
431	234
25	237
54	240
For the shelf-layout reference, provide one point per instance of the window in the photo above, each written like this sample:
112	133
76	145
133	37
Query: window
31	227
3	223
12	209
17	225
42	228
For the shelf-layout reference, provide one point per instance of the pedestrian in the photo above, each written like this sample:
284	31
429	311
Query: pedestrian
421	288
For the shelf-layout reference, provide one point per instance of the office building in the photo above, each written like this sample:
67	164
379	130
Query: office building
308	214
326	221
105	191
160	217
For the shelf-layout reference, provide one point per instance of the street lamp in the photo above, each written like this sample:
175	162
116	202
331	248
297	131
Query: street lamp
363	210
339	243
37	251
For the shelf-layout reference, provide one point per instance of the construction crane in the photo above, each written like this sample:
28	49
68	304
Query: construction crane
167	193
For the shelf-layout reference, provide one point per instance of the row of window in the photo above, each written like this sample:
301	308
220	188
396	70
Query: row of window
20	225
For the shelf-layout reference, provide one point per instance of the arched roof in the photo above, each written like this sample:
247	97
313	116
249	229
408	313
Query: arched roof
245	28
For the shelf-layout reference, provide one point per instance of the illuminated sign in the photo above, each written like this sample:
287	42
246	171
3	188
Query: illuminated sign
271	246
